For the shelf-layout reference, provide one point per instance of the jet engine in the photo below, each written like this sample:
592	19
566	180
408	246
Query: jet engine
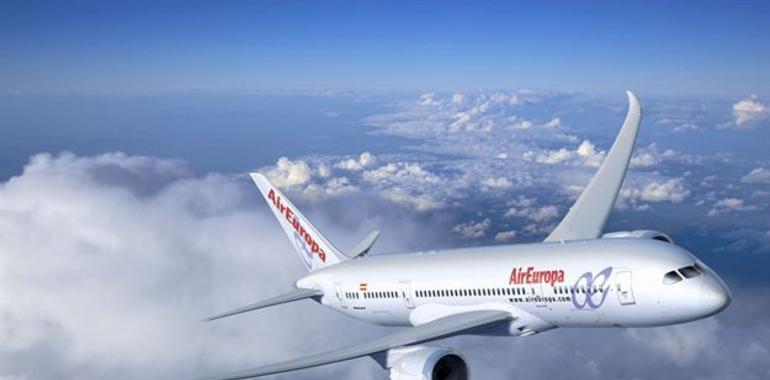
426	363
639	234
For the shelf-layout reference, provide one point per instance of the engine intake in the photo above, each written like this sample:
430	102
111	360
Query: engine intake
425	363
639	234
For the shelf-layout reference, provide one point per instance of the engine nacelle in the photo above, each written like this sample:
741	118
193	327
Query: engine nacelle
639	234
425	363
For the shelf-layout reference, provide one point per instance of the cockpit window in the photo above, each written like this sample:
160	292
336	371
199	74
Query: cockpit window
689	272
672	277
700	268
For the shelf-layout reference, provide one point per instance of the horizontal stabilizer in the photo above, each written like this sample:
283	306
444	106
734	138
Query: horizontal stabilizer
362	249
292	296
456	324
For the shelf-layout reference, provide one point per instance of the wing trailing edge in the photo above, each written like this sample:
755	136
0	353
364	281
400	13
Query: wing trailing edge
456	324
586	218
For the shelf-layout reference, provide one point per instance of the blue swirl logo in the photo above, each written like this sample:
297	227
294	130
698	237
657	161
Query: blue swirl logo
595	289
307	256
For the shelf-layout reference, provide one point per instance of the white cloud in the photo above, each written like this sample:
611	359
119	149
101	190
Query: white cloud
672	190
536	214
746	240
110	262
584	155
525	207
287	173
504	236
522	124
538	229
748	110
331	188
324	171
729	204
684	127
649	156
544	213
554	123
758	175
427	99
401	172
365	160
420	202
682	344
472	119
472	229
497	183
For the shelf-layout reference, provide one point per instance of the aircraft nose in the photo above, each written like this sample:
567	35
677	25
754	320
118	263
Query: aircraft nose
715	296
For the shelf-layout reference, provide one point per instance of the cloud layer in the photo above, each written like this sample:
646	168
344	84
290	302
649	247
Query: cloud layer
110	262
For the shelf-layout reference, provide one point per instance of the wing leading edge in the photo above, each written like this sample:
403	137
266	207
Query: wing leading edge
441	328
292	296
586	218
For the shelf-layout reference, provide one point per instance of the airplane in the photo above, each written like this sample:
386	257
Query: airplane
578	277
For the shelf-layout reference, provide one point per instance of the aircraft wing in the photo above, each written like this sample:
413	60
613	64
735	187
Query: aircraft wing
440	328
292	296
586	218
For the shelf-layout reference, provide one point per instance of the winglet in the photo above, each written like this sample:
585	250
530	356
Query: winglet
362	249
586	218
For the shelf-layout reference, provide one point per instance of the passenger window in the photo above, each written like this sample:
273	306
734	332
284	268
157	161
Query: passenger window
689	272
671	277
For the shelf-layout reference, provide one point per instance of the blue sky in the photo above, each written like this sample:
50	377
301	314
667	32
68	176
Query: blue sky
706	48
127	131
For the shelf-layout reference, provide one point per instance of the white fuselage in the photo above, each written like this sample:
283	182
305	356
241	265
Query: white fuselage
603	282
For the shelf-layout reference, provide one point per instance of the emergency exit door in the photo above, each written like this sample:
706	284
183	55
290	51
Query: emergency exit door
623	281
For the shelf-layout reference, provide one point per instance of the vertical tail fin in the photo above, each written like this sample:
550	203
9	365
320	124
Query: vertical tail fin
316	252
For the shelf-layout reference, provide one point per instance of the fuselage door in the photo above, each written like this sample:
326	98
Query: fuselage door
406	294
340	295
623	287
